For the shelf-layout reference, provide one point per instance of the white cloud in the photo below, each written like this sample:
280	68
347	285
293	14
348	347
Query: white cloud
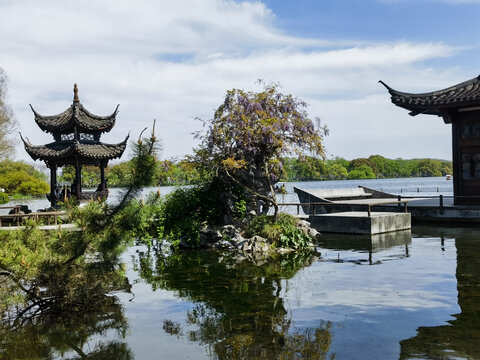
174	60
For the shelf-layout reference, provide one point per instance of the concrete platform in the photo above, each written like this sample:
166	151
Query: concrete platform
429	209
358	222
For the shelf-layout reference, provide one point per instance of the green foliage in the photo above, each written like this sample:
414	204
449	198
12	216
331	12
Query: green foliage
181	172
258	223
19	177
118	175
7	119
90	176
429	167
282	233
303	168
337	172
4	198
186	210
240	208
143	162
143	218
53	272
33	187
68	175
375	166
7	166
166	172
61	264
362	172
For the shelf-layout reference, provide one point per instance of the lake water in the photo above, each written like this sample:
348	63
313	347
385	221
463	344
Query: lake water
433	186
405	295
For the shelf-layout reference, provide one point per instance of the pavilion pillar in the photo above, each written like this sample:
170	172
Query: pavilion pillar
78	179
456	165
102	176
53	184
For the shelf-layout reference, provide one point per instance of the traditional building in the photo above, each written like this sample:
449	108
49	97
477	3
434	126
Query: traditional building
458	105
76	134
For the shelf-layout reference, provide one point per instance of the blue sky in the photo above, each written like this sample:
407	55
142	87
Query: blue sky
377	20
369	21
173	60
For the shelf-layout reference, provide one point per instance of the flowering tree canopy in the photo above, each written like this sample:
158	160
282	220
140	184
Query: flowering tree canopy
249	134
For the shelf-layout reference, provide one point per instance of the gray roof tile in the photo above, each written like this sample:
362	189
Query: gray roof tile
465	94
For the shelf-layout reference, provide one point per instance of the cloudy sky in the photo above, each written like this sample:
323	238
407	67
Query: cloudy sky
173	60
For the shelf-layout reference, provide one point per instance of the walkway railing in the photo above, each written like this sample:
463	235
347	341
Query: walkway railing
17	218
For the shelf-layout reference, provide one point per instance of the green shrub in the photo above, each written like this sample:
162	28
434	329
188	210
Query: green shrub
33	187
19	181
282	233
186	210
258	223
4	198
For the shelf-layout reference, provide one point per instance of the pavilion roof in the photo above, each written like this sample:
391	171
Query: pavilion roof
75	115
69	149
465	94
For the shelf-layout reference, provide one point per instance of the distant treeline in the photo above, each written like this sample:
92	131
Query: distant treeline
373	167
183	172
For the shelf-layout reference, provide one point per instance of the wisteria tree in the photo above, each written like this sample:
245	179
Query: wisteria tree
251	132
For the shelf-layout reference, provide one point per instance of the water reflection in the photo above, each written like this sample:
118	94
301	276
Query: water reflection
460	337
238	311
358	245
91	325
90	336
297	305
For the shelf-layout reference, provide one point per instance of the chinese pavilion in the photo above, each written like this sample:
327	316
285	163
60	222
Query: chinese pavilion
76	134
458	105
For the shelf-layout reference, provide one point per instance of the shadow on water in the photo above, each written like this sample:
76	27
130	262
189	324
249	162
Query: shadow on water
460	338
238	312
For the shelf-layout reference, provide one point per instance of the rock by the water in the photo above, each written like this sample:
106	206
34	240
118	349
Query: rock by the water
229	237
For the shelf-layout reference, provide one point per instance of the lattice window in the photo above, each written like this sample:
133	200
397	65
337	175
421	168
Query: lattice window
84	136
67	137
